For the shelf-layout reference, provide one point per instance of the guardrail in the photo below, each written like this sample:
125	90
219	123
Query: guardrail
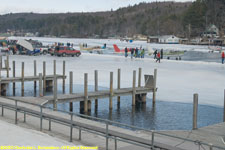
107	133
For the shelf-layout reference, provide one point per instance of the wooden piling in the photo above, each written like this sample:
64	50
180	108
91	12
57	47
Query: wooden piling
139	77
1	61
118	84
55	93
224	108
22	82
71	90
14	75
111	91
96	86
7	65
35	74
40	85
64	75
195	112
154	87
44	77
134	88
85	93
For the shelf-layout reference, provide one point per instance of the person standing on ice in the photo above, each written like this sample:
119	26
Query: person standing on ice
161	53
155	53
136	52
132	53
126	51
222	56
158	57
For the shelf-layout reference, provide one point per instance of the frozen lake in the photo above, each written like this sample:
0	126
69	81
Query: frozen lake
177	81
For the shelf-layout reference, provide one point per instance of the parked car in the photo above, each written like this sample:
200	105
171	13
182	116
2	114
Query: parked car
66	51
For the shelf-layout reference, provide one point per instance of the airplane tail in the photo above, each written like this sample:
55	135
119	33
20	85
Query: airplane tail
116	48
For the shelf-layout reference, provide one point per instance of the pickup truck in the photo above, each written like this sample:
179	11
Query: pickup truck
66	51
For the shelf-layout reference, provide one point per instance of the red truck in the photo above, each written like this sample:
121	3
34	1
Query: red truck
66	51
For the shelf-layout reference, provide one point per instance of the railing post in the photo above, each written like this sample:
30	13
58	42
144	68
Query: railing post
195	111
41	117
22	83
139	77
154	88
2	110
134	88
79	133
49	125
115	143
71	128
210	146
107	134
64	74
24	117
16	112
14	75
118	85
40	85
111	91
54	67
153	134
71	90
96	87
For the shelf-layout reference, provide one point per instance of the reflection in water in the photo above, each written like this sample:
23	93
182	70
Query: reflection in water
164	116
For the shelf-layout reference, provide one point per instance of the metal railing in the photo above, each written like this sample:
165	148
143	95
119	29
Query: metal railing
72	124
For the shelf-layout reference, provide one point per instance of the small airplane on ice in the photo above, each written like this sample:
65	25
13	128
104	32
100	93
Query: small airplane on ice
117	50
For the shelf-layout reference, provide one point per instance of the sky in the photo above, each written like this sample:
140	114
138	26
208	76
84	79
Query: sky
58	6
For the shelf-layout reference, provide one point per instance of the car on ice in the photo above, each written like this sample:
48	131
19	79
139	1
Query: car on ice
66	51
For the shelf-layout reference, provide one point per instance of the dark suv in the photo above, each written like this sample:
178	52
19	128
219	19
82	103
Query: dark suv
66	51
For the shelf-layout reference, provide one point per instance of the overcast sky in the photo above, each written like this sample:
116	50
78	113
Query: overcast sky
55	6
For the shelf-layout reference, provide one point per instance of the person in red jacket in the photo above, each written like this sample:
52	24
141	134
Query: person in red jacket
222	55
158	57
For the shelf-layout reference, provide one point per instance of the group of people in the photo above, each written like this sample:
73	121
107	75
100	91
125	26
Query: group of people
135	52
158	55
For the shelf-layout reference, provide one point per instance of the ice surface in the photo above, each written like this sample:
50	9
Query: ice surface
177	80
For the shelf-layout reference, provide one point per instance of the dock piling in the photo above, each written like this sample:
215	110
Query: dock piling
55	93
139	77
71	128
111	91
44	77
71	90
154	88
134	88
85	93
14	75
22	83
35	74
40	85
64	74
118	84
7	65
96	87
54	67
195	112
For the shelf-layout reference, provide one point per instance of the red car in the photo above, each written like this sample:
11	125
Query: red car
66	51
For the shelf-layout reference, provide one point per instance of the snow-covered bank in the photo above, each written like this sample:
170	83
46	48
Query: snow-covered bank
177	80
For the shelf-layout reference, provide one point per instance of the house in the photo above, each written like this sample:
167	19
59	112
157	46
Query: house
169	39
153	39
211	31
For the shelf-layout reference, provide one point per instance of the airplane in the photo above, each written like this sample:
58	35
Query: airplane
117	50
98	49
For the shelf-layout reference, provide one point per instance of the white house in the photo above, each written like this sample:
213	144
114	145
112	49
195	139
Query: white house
169	39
